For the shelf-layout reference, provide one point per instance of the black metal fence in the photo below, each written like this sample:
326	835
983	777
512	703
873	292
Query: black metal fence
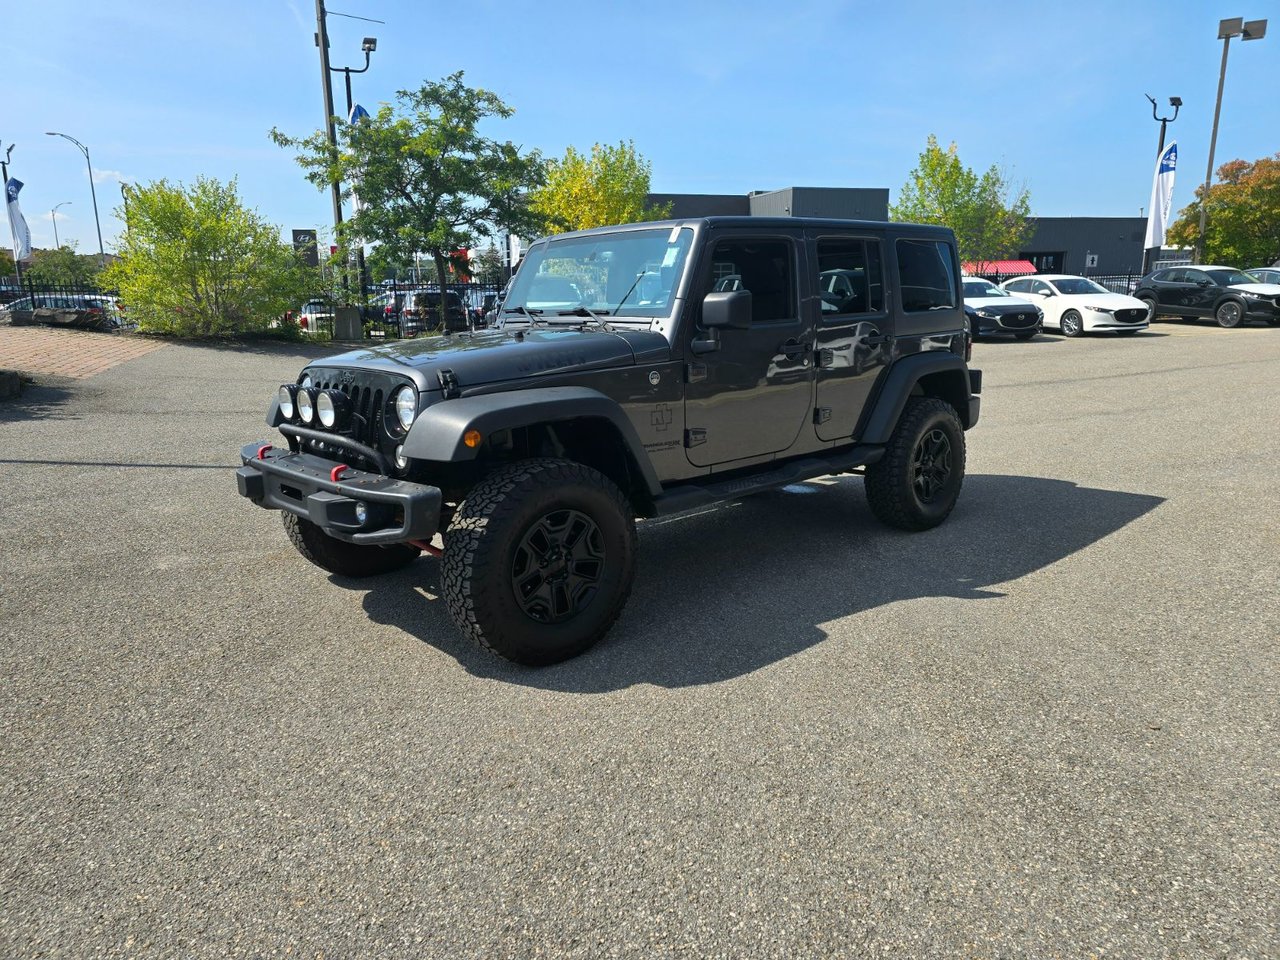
1115	282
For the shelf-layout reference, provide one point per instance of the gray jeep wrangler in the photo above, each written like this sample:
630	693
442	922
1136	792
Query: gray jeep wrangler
636	371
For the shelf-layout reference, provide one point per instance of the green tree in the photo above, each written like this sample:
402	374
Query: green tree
1242	224
609	186
988	215
487	267
63	266
196	262
6	264
427	179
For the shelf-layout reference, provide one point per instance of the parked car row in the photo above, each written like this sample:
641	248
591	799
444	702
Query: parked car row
1072	305
95	309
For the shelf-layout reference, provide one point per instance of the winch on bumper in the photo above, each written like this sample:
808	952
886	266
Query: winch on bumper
334	496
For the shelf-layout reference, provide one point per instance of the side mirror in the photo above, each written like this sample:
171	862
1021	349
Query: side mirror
727	310
1204	283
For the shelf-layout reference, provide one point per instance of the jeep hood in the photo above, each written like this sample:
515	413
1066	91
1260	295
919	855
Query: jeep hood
494	356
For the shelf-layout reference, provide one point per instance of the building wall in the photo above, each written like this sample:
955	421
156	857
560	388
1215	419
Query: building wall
1117	241
846	203
688	205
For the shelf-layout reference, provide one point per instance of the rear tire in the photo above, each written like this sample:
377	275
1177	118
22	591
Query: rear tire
915	485
347	559
539	560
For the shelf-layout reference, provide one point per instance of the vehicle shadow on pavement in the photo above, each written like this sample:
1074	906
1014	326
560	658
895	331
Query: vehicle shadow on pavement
46	400
736	588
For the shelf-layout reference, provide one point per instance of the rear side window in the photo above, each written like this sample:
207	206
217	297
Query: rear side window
927	275
849	277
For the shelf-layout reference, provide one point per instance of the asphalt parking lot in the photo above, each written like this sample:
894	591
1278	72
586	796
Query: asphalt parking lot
1047	728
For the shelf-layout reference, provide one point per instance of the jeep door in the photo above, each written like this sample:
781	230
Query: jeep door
853	331
750	395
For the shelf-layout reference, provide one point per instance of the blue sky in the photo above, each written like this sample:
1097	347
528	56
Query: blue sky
721	97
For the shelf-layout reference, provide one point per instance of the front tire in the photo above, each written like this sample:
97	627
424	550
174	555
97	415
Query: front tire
915	485
1072	324
539	560
1151	308
1230	314
347	559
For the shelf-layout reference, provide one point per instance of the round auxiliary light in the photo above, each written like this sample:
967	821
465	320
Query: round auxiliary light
306	404
332	407
286	395
406	403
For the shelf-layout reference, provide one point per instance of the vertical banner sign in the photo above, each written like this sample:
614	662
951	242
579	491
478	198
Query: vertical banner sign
304	242
1161	196
17	222
357	113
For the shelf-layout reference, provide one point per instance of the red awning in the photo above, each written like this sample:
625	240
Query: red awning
1004	267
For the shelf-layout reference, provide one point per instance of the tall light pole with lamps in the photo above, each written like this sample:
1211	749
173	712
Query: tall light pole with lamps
1234	27
102	253
53	215
367	47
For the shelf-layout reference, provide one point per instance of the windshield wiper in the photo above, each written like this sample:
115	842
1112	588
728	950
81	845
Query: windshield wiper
535	315
582	310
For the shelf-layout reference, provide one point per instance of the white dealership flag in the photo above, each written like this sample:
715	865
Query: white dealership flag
357	113
1161	196
17	222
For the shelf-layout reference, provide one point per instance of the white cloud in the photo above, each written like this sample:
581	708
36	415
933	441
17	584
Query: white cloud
114	176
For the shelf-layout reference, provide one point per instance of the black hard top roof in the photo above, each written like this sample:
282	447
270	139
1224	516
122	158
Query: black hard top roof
776	223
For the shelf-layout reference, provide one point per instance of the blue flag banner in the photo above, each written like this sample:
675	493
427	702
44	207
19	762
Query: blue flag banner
17	222
356	113
1162	196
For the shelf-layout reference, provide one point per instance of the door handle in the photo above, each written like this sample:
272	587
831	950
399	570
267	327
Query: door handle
793	349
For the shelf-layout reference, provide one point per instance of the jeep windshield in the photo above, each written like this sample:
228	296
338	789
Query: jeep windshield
628	274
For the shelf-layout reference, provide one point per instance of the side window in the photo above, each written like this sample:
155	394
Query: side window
927	275
1195	276
1039	286
1018	286
1176	276
849	279
764	267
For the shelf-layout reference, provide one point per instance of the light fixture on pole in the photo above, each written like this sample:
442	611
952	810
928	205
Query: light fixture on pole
1176	103
102	253
1233	27
367	46
53	215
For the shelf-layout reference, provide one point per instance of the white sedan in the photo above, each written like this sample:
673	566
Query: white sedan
1076	305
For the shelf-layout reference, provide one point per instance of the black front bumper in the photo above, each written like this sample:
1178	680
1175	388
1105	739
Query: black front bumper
304	485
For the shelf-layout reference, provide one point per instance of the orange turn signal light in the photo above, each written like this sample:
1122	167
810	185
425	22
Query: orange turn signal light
472	438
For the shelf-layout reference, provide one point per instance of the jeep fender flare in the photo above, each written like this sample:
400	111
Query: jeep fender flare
437	433
946	376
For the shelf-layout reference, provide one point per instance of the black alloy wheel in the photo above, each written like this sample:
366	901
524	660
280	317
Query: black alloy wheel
931	465
556	568
1229	314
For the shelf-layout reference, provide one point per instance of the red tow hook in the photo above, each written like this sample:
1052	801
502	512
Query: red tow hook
426	547
336	472
262	451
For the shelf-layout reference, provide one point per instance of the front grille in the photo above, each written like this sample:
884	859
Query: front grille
369	393
1018	321
1134	315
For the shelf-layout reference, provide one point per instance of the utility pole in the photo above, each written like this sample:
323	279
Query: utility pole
369	45
322	41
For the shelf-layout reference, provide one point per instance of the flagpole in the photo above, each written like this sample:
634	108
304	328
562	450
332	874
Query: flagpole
4	175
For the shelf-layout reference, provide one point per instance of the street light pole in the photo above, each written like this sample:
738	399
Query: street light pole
369	45
53	215
1175	102
102	253
1234	27
322	41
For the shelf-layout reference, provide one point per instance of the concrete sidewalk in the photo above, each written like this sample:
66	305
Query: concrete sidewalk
69	353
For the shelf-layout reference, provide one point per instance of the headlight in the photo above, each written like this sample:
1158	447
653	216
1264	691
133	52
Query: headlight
332	407
406	402
287	392
1251	295
1101	309
306	404
1039	314
306	381
986	314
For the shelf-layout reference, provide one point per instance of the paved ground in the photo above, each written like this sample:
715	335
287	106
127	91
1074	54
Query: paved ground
1048	728
68	353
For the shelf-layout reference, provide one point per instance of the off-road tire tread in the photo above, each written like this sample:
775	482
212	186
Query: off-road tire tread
883	478
468	571
353	560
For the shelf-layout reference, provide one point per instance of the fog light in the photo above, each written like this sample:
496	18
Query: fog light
307	404
401	460
332	408
287	393
362	512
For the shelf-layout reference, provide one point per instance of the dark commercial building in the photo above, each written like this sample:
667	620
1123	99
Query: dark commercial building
1077	245
845	203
